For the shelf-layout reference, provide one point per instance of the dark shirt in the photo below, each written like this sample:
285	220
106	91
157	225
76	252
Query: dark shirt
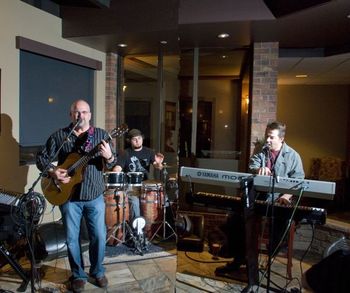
137	161
92	184
271	159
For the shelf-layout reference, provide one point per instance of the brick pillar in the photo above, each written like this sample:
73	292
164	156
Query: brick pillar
111	91
264	89
114	104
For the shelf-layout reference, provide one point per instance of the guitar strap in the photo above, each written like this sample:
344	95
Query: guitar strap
88	145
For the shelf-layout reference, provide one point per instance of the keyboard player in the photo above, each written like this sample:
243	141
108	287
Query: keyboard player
275	158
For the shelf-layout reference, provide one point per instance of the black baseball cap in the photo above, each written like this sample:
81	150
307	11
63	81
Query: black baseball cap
134	132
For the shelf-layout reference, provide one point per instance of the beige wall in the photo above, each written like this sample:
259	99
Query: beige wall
316	118
20	19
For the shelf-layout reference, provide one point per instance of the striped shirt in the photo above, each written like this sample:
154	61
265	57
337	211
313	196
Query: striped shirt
92	184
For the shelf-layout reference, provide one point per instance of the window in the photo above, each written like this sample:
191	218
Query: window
47	88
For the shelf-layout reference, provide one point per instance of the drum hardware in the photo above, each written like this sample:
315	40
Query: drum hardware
114	179
131	236
140	242
117	180
164	204
122	226
134	178
134	235
150	205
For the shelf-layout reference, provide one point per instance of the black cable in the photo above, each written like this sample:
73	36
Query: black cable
221	290
274	254
200	261
308	248
203	261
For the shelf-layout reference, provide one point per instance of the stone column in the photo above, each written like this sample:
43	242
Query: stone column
264	89
114	104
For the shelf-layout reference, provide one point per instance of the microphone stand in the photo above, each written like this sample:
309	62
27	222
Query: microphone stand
271	229
250	237
24	198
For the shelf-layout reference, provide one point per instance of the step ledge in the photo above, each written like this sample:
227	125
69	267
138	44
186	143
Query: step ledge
343	227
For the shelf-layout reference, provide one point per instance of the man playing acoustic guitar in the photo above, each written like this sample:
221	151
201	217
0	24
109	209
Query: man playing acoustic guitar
84	195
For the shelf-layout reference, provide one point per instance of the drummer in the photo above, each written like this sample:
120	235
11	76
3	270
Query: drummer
137	158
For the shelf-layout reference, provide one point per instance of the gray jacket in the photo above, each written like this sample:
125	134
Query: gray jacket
288	163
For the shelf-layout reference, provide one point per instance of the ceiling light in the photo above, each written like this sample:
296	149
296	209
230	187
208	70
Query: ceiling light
223	36
348	16
301	75
223	56
163	42
122	45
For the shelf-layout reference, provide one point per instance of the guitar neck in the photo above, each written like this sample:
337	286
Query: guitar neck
86	158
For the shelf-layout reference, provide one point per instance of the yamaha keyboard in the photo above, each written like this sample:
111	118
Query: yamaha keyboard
230	202
310	188
211	176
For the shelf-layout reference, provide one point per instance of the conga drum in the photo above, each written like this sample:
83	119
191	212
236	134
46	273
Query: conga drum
115	207
151	206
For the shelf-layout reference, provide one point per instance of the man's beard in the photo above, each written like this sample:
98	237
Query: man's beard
137	148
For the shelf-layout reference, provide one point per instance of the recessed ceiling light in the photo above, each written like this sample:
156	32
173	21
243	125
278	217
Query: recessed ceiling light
223	36
223	56
163	42
122	45
301	75
348	16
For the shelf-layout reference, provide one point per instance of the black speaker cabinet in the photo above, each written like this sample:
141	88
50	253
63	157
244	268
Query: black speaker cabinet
50	241
191	237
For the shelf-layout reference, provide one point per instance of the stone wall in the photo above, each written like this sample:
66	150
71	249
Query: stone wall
323	236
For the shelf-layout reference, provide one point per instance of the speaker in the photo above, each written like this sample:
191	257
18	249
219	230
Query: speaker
190	231
330	275
50	241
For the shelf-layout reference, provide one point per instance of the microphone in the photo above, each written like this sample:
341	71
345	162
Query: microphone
79	118
266	147
78	121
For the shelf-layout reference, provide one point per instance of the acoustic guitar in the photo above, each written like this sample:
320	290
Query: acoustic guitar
58	193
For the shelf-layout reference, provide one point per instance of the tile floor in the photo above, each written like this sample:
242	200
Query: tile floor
178	271
143	275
